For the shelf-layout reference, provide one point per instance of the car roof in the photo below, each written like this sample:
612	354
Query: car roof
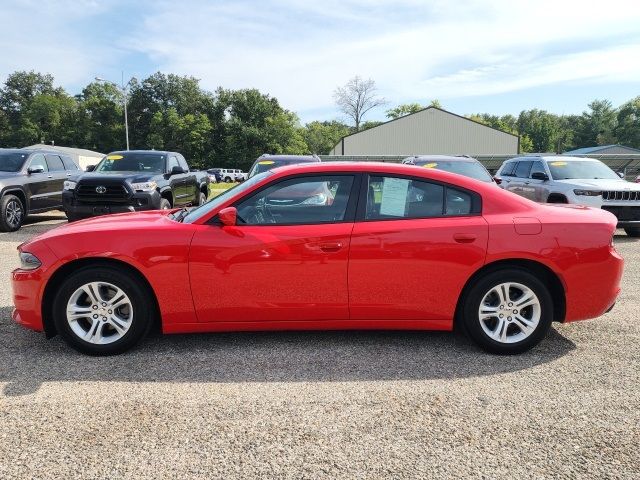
435	158
308	158
550	158
29	151
162	152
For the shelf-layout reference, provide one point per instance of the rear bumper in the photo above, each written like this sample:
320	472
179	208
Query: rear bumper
139	201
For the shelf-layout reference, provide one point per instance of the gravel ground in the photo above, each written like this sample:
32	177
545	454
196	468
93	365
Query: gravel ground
324	405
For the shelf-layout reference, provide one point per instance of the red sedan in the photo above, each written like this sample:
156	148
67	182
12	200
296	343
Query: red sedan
369	246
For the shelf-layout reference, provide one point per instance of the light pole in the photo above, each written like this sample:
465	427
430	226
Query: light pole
123	89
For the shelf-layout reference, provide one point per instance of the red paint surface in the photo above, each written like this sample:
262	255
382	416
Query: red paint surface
393	274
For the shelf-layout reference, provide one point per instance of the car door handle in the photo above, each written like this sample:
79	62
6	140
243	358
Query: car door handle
464	237
330	247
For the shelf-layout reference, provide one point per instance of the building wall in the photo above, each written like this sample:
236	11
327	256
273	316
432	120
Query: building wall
430	131
616	149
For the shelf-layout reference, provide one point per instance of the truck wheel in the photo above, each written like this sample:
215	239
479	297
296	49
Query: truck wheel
165	204
632	231
12	213
202	199
102	310
227	179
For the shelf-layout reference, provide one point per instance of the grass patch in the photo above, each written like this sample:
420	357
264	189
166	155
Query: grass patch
217	188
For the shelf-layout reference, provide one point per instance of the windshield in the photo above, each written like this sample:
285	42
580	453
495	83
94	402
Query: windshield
132	162
215	202
12	161
581	169
461	167
266	165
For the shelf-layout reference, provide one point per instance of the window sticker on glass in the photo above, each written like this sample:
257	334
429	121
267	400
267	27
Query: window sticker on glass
115	157
430	165
558	164
394	197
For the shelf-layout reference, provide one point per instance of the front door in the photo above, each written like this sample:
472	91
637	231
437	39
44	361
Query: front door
286	259
412	249
38	184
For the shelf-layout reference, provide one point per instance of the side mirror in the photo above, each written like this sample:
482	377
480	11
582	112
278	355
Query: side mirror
90	168
498	180
36	169
228	216
621	174
539	176
176	171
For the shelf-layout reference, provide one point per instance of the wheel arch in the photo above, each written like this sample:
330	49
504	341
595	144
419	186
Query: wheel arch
68	268
542	271
555	197
18	192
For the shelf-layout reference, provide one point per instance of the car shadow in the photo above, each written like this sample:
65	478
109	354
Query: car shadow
27	359
34	225
624	238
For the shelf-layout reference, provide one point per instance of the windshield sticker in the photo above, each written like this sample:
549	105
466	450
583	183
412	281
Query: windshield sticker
394	197
266	162
430	165
114	157
558	164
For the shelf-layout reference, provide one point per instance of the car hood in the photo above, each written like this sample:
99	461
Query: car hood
4	175
601	184
131	177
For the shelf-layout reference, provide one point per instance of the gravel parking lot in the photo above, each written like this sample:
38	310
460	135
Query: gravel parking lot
323	405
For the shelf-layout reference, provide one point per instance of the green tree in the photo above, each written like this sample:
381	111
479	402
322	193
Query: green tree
100	118
541	127
321	137
403	109
595	126
628	123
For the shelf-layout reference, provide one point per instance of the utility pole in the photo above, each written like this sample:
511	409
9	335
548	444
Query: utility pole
123	89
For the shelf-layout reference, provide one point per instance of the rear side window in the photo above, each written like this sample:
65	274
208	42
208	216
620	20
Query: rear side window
523	169
69	164
55	163
508	169
403	198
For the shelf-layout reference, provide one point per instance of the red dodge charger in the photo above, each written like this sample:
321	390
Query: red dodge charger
325	246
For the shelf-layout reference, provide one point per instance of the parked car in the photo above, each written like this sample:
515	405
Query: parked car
214	175
460	164
232	175
574	180
398	247
267	162
31	181
134	180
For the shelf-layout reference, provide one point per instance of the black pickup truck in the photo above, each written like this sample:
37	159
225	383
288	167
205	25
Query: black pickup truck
134	180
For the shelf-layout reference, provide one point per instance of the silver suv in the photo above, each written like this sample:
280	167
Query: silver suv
576	180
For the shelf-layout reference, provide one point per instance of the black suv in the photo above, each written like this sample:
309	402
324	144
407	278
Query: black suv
134	180
267	162
31	181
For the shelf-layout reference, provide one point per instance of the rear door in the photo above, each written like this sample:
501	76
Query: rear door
414	245
520	176
57	176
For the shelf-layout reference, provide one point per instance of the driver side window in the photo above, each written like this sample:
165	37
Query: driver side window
172	162
38	161
299	201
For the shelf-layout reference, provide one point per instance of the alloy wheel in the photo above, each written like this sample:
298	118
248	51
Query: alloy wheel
509	312
99	313
13	213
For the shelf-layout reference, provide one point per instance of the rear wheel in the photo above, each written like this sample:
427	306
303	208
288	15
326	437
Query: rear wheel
227	179
508	311
12	213
102	311
632	231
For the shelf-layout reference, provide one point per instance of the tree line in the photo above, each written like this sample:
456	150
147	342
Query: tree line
230	128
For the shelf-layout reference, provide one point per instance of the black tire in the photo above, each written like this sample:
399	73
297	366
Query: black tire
73	218
632	231
202	198
137	294
557	198
12	213
470	318
227	179
165	204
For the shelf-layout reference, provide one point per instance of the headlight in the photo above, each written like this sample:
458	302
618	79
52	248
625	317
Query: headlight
144	186
29	261
588	193
69	185
319	199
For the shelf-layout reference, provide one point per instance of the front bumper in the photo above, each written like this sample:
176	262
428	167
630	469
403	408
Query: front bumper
627	215
139	201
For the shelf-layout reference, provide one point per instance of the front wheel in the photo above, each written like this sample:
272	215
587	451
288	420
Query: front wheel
12	213
202	199
102	311
632	231
165	204
508	311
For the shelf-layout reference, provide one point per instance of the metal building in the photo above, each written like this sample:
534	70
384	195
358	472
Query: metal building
604	150
81	156
429	131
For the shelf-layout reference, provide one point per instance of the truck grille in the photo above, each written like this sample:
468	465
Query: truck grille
96	192
624	214
621	195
